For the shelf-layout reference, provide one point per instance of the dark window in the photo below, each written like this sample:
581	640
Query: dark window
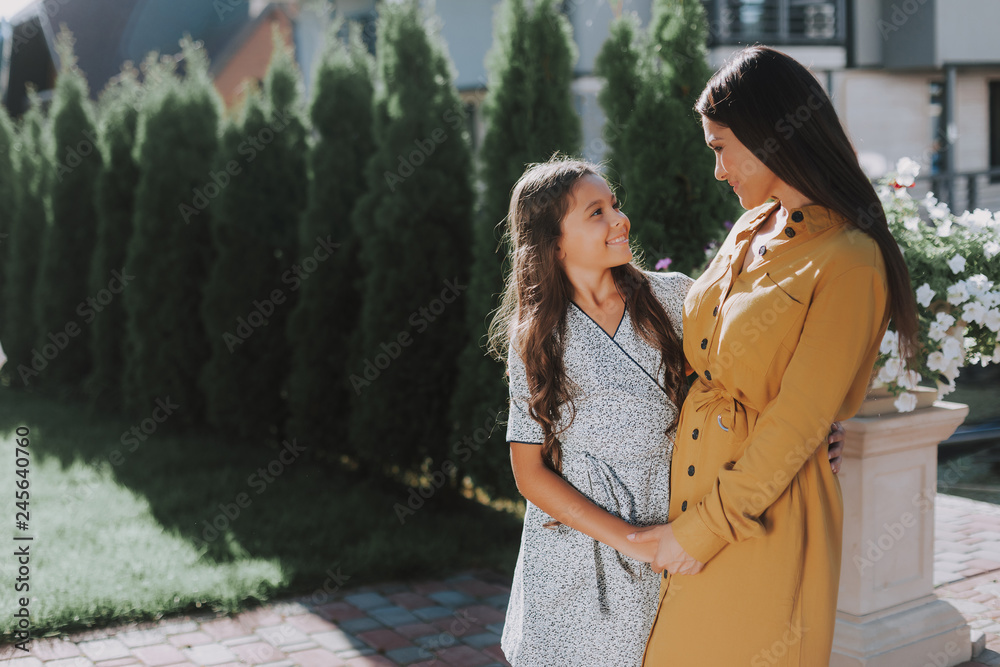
995	129
939	127
800	22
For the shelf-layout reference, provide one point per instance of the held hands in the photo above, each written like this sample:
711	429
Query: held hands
670	555
836	446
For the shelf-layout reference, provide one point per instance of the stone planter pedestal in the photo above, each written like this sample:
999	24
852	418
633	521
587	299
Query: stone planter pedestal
887	612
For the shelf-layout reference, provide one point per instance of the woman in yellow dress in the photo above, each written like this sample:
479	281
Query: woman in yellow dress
782	329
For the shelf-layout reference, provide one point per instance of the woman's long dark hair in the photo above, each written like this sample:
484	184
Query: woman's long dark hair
532	312
778	110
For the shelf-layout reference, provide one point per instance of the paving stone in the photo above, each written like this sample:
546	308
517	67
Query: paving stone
393	616
316	657
433	613
209	654
356	625
482	640
104	649
479	589
27	661
239	641
302	646
309	623
368	601
225	628
186	639
347	654
452	598
337	640
411	600
482	614
340	611
282	635
417	630
53	649
159	654
120	662
408	655
384	639
289	608
463	656
425	587
179	628
78	661
257	653
496	653
147	637
370	661
259	618
498	600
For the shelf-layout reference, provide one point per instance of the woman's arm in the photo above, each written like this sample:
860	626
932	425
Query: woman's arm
560	500
830	357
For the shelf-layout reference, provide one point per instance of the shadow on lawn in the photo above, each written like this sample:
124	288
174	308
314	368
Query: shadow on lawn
253	501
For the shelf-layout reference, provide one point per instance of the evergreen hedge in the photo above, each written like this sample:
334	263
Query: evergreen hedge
30	215
415	227
653	78
319	391
529	116
170	250
115	199
254	281
61	294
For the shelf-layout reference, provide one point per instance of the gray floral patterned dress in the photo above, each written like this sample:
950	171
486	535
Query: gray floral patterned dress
574	601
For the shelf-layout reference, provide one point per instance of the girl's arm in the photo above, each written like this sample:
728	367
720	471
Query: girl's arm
559	499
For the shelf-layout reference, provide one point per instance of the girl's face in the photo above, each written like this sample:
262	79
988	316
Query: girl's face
750	178
594	229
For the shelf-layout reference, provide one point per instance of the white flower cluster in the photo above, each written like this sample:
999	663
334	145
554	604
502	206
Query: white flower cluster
968	300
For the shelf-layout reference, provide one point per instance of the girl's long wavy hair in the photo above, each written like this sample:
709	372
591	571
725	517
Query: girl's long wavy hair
778	110
532	313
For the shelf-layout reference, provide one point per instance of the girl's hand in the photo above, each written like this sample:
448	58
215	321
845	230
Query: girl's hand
836	446
670	555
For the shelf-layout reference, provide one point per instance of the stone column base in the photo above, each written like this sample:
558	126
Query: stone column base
927	632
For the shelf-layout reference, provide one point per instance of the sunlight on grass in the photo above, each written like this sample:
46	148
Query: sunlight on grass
78	564
145	534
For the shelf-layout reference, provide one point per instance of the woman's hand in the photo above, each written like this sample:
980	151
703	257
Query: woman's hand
836	446
670	555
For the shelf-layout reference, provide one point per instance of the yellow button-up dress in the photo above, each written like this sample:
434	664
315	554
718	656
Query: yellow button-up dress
781	350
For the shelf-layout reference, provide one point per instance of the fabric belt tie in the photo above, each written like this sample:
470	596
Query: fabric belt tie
606	486
729	414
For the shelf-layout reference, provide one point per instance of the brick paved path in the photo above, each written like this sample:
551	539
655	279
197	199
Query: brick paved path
455	622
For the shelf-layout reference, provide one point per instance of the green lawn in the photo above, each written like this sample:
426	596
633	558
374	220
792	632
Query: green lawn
129	536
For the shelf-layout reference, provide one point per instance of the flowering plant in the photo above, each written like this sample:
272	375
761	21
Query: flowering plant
957	287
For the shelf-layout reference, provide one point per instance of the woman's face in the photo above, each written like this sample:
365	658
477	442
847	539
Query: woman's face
594	229
750	178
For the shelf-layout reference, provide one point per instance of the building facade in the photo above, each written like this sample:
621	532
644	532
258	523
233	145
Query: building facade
909	78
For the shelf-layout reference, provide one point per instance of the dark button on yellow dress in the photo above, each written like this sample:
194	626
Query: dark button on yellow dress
792	342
